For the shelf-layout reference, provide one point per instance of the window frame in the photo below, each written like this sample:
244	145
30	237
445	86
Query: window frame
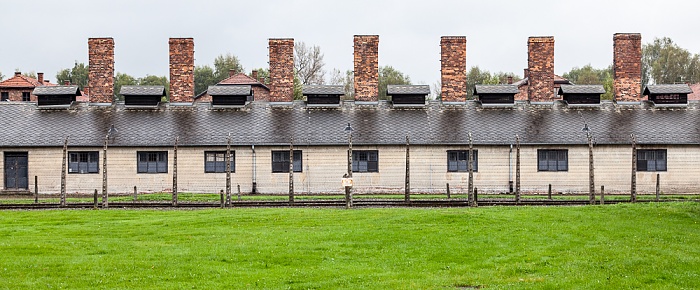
560	165
91	163
218	166
367	165
642	155
279	161
457	162
4	96
26	96
160	165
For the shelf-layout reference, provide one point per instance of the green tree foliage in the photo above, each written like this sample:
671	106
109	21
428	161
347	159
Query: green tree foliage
122	79
588	75
30	74
263	75
390	76
203	78
664	62
205	75
78	75
2	76
476	76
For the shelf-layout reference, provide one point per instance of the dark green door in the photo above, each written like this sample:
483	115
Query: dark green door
16	175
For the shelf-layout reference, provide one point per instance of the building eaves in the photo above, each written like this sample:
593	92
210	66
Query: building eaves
667	89
323	90
581	89
142	91
407	90
56	90
495	89
229	90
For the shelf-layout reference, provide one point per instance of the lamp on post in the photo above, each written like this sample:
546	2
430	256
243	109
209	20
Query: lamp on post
347	181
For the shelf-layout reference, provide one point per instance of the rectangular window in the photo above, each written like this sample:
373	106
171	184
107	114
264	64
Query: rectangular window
4	96
152	162
215	161
83	162
25	97
280	161
458	160
365	161
552	160
651	159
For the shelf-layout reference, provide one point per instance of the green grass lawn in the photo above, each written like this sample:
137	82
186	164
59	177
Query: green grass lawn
648	245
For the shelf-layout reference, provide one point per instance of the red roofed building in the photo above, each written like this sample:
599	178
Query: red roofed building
696	92
19	87
524	83
260	91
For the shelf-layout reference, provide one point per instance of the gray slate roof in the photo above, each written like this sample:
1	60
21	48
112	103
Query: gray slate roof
260	123
322	90
229	90
581	89
56	90
495	89
407	90
667	89
142	91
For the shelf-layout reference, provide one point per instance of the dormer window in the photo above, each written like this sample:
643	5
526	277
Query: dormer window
321	95
56	96
230	95
142	96
496	94
581	94
668	94
408	95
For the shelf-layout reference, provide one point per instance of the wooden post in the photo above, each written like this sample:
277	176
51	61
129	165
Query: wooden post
549	192
602	194
63	172
105	203
470	185
407	181
476	199
239	194
175	171
94	197
658	187
448	191
517	168
227	159
221	195
633	190
36	189
348	189
291	171
591	180
136	194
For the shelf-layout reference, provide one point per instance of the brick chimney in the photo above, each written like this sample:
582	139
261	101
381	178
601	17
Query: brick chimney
366	60
453	68
255	75
181	70
40	78
231	72
101	69
281	69
627	66
66	83
540	65
18	73
510	80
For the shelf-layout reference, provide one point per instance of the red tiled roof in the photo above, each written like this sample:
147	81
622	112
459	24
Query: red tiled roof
696	92
20	81
241	79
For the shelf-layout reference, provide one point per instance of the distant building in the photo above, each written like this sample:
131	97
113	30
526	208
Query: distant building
19	87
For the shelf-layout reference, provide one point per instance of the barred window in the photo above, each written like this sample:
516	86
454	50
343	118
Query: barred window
280	161
365	161
152	162
83	162
552	160
458	160
215	161
651	159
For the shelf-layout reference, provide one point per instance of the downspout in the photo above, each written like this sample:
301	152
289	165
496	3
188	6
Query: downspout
510	169
255	183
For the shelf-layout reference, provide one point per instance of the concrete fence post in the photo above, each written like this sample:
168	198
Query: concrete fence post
602	194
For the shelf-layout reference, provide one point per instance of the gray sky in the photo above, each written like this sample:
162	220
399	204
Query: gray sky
46	36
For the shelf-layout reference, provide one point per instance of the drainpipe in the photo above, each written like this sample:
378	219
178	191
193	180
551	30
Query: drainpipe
510	169
255	183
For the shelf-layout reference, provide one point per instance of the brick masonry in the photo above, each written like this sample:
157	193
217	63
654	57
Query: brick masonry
627	66
453	68
101	69
366	64
540	64
281	70
181	70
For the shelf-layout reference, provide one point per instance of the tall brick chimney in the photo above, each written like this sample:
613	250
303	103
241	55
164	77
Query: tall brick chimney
627	66
540	65
181	70
40	78
281	69
366	60
453	68
101	69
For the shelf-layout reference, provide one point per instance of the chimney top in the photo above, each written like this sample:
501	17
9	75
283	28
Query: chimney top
231	72
510	80
40	77
255	74
18	73
66	83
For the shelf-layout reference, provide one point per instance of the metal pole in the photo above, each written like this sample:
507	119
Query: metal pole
105	204
407	185
227	159
517	168
591	180
291	171
470	159
63	172
175	171
633	190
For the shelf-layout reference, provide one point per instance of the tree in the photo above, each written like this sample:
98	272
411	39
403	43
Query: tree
346	79
2	76
308	64
476	76
122	79
263	75
78	75
664	62
150	80
203	78
225	63
588	75
390	76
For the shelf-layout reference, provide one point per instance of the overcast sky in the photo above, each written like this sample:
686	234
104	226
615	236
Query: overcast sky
46	36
